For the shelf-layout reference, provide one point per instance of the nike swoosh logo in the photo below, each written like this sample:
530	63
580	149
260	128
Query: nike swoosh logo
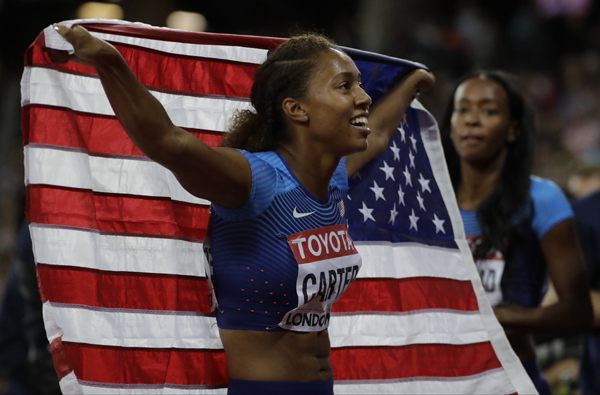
296	214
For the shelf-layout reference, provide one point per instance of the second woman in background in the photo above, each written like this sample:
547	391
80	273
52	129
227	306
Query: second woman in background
519	227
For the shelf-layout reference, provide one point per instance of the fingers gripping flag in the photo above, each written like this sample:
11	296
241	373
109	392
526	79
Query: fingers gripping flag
117	240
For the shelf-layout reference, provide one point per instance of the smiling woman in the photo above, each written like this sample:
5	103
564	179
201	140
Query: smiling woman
520	227
278	246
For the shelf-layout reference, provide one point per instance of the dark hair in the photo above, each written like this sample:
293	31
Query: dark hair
285	73
509	205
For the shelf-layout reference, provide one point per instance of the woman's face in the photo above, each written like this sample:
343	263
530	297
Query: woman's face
481	122
336	105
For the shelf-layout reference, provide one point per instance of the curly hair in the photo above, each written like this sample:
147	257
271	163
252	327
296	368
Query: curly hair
509	205
286	73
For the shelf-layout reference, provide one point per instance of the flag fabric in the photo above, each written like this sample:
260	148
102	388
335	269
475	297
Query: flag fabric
118	242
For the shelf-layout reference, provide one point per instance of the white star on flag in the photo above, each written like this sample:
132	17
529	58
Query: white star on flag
407	175
413	220
424	183
389	171
439	224
420	200
405	119
393	214
396	151
402	134
413	141
366	212
378	191
401	195
412	159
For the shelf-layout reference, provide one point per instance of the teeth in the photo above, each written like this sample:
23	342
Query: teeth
360	120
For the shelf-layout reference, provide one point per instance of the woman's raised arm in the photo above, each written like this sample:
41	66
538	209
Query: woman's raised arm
221	175
386	116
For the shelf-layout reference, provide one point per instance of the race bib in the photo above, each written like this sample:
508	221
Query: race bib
327	264
490	271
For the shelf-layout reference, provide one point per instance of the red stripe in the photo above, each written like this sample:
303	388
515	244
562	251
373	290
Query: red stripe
184	293
419	360
140	291
400	295
116	214
207	367
95	133
60	358
170	72
147	366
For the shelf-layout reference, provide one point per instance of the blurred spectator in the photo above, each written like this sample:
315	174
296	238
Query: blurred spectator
585	180
25	359
587	216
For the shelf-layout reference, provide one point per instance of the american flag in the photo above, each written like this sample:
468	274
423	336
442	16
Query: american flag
118	242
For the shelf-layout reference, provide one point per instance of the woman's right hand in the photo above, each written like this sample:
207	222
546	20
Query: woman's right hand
88	49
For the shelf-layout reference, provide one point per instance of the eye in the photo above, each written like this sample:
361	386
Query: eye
460	110
489	111
345	85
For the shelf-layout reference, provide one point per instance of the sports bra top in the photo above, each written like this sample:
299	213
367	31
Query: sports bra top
524	282
282	259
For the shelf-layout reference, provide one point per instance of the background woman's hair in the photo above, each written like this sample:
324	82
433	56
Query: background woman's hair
509	205
285	73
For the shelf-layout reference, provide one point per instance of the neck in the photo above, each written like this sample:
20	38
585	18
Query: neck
478	181
311	167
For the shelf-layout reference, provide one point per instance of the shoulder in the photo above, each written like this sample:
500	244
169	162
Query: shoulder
266	180
542	188
550	205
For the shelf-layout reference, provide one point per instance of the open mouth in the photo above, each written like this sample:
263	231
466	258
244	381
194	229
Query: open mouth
360	121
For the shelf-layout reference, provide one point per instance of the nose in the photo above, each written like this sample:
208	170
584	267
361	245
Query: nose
362	99
472	118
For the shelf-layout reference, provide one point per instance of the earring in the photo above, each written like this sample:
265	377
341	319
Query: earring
305	117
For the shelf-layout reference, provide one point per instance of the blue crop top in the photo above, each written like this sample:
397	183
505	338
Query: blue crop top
525	282
281	260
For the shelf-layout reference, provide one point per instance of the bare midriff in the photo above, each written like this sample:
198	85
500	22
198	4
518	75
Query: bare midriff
523	345
277	356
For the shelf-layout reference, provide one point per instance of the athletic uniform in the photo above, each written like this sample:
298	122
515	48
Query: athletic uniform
525	282
587	218
280	261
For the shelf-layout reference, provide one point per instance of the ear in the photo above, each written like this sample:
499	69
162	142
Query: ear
294	110
513	132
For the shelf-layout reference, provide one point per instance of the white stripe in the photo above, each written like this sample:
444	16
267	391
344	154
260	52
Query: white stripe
90	249
70	385
132	329
405	260
25	88
223	52
114	327
73	169
420	327
84	93
141	389
495	382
